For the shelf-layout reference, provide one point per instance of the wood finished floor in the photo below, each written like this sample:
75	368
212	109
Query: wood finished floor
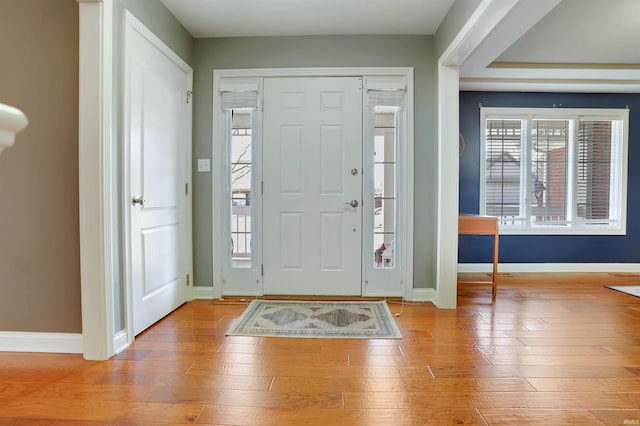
552	349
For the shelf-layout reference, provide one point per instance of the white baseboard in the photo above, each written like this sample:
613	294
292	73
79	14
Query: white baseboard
423	295
17	341
550	267
202	292
429	294
120	341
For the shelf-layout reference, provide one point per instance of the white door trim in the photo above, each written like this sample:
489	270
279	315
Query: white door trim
131	23
97	187
218	182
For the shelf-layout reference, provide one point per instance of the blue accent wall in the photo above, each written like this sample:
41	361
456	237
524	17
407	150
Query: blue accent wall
547	248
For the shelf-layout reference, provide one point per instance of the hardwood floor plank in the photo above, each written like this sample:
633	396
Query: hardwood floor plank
170	355
272	349
13	390
580	360
25	421
579	341
559	332
311	371
475	341
577	384
184	335
420	359
512	417
503	400
148	345
95	392
148	366
206	396
104	411
618	417
401	384
338	417
530	371
544	350
209	381
634	370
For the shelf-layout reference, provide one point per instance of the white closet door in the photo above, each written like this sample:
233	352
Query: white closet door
157	130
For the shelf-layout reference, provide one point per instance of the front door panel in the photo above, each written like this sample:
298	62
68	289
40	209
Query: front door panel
312	161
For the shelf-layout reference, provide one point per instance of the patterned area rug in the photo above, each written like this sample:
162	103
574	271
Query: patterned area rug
633	290
354	320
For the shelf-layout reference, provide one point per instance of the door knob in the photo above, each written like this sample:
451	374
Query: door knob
352	203
137	200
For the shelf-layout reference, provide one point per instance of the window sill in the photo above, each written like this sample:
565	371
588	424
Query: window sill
552	230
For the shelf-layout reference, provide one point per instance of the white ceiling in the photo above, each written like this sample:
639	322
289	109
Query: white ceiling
582	31
241	18
572	45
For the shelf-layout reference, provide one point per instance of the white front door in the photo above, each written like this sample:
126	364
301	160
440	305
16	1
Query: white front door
157	147
312	191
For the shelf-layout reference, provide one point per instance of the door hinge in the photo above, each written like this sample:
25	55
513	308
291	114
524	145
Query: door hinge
188	280
262	187
262	270
186	189
189	96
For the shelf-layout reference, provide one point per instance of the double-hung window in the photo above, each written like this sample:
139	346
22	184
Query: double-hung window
554	171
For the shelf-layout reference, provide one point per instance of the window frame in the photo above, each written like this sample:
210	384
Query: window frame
573	116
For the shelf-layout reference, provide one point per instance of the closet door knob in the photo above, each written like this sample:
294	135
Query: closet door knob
137	200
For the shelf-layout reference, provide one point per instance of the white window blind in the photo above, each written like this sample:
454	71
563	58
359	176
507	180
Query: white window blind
386	91
554	171
596	161
503	169
239	95
390	98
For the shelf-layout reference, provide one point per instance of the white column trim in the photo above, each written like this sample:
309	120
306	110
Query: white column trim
485	18
96	186
448	178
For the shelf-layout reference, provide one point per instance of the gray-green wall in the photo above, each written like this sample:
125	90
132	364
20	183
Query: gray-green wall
319	51
155	16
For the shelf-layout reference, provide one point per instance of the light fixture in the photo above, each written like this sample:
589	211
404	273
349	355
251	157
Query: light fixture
12	121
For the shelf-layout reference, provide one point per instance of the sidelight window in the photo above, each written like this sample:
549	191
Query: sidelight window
240	101
385	101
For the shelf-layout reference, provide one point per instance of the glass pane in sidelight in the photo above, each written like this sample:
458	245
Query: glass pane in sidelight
384	177
241	187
